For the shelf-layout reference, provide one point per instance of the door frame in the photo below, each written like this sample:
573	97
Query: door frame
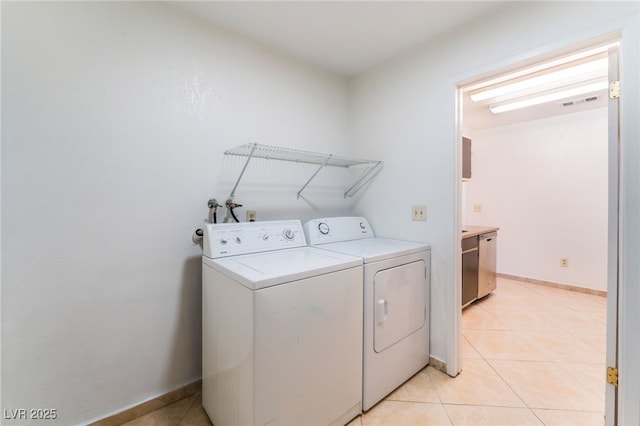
613	236
454	366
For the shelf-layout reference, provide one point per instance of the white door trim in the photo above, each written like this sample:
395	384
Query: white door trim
613	233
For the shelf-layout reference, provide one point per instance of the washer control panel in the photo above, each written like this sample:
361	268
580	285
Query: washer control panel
337	229
232	239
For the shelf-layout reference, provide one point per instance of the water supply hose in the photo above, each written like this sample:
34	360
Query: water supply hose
213	209
197	236
230	206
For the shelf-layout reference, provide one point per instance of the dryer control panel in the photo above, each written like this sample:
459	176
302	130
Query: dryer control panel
337	229
232	239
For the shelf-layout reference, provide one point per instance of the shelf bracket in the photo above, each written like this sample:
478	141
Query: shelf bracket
314	175
366	176
367	168
233	191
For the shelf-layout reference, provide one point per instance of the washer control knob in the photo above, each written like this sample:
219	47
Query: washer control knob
265	237
362	225
323	227
288	234
238	240
223	242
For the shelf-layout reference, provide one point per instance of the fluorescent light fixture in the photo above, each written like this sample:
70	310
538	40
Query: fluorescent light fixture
550	96
544	81
576	74
543	66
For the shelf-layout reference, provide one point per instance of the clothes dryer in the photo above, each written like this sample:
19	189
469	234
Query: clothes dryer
281	327
396	280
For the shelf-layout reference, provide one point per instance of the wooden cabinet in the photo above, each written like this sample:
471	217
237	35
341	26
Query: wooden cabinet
466	158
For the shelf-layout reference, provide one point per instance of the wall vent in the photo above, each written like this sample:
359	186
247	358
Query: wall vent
579	101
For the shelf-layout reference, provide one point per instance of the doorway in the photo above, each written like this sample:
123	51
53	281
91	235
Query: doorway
525	184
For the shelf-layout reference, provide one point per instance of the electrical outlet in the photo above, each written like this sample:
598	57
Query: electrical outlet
419	212
251	215
477	208
564	262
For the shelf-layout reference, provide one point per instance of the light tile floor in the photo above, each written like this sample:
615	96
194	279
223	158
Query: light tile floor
531	355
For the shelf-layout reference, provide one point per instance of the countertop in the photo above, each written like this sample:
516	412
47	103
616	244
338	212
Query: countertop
474	231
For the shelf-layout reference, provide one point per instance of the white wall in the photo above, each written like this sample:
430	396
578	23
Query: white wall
405	113
544	183
115	119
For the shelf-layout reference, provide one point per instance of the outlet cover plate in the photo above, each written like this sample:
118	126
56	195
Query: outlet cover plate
419	212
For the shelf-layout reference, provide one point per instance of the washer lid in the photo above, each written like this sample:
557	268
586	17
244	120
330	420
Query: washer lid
261	270
376	249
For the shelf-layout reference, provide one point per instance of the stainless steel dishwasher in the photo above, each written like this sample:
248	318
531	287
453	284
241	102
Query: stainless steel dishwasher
469	270
487	246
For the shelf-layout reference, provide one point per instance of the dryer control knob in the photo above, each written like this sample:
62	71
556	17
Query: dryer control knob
223	242
288	234
323	227
238	240
362	225
265	237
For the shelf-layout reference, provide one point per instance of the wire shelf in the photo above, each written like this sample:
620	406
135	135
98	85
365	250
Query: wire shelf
269	152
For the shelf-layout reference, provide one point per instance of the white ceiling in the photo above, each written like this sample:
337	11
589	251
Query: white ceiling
346	37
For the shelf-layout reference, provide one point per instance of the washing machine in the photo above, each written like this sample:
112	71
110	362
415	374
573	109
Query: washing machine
396	280
281	327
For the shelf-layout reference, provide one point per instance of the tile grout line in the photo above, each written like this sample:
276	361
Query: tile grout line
442	404
506	383
565	308
188	409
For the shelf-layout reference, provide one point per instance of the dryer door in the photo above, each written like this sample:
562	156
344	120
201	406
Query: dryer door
399	303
